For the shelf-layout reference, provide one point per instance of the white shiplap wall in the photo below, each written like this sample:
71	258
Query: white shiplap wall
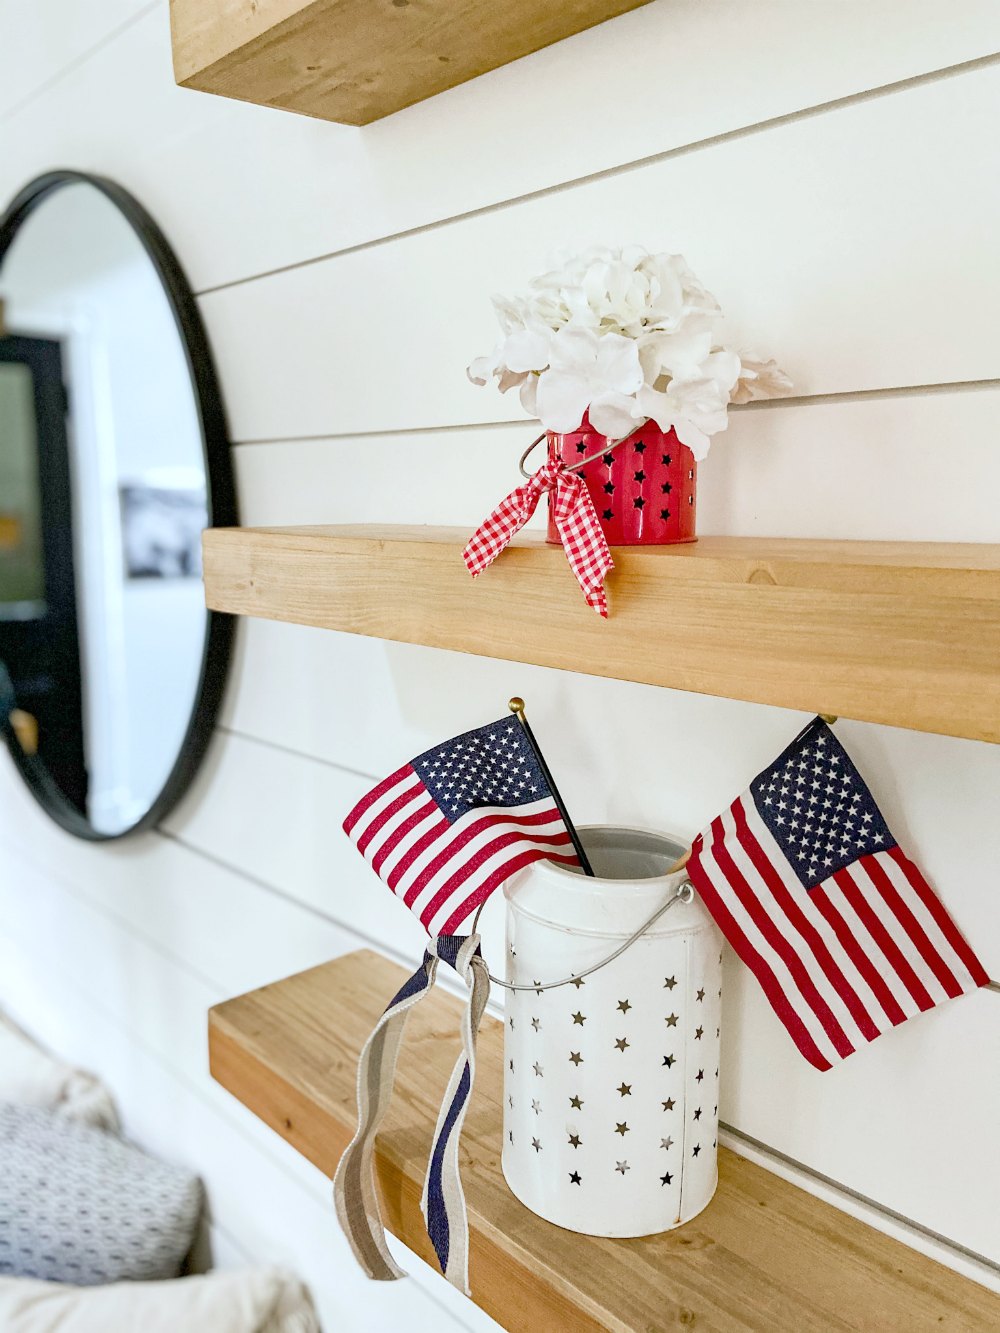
830	172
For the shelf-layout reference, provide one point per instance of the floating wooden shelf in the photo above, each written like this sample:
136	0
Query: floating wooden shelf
763	1255
357	60
902	633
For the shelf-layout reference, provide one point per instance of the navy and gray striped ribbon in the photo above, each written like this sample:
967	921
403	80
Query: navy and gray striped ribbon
443	1201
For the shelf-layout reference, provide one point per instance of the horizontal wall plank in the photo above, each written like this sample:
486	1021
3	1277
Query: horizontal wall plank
917	468
41	41
823	269
626	752
151	1037
317	188
883	1156
230	932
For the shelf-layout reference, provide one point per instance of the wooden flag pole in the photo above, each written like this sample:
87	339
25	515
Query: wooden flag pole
516	706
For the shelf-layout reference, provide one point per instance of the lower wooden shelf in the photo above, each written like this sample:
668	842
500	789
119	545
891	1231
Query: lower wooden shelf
763	1255
906	633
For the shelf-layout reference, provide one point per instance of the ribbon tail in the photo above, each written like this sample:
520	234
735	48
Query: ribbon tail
584	542
495	532
354	1192
443	1202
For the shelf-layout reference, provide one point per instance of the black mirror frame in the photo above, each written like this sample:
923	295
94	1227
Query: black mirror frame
220	494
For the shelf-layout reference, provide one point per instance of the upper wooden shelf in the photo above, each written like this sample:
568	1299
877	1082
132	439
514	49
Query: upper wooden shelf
902	633
763	1255
355	61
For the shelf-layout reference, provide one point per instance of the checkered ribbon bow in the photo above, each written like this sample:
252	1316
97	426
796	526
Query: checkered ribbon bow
576	521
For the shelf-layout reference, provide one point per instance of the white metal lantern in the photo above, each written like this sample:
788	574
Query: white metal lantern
612	1081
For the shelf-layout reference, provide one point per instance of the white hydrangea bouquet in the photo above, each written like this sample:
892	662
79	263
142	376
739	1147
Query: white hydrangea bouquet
624	337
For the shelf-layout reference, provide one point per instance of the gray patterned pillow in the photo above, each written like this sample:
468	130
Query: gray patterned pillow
79	1205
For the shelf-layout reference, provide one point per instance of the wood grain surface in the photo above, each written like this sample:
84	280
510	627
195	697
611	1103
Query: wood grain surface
355	61
902	633
763	1255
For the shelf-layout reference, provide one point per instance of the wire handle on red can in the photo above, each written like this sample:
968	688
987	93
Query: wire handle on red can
575	467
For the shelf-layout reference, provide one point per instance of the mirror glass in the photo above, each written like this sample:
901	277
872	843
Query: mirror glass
104	492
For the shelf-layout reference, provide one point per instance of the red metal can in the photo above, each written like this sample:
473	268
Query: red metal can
644	489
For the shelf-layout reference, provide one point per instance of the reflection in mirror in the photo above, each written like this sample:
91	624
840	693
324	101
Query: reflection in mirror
104	492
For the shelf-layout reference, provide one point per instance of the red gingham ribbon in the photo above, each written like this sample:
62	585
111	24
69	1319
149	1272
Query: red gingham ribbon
576	521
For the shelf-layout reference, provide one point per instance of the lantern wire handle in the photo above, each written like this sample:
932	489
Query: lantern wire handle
683	894
516	706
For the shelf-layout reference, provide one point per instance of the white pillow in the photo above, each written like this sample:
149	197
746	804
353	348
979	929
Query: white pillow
30	1076
267	1300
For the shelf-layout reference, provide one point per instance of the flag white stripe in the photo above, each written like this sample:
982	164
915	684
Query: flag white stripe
413	872
952	960
787	927
746	923
394	821
852	974
377	807
482	839
898	932
408	839
468	887
870	946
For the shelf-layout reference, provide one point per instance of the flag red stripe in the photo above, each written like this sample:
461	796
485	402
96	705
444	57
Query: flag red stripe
749	956
484	890
457	844
802	924
944	922
849	943
764	922
883	939
405	797
900	909
376	794
468	868
408	824
438	830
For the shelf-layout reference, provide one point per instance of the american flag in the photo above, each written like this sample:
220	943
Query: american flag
804	879
447	828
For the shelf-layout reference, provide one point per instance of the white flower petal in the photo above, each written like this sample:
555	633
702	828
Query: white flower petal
724	368
526	350
507	379
695	439
761	379
656	406
529	394
510	313
483	368
574	349
563	397
679	354
611	414
617	364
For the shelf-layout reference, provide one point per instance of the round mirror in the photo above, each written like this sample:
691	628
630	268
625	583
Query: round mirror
113	458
